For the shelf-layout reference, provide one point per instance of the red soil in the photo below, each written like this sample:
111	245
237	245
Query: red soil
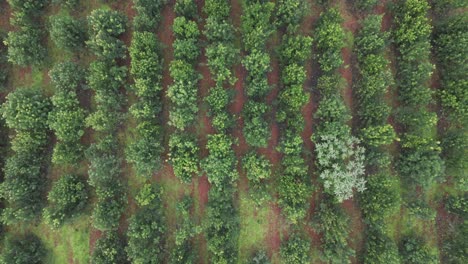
166	37
273	237
5	13
346	72
356	226
203	188
387	18
94	235
274	81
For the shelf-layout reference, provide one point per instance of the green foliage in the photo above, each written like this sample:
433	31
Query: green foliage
25	249
221	163
341	162
186	8
380	248
67	32
329	38
381	197
69	4
28	6
67	198
295	250
105	79
183	94
258	170
148	14
366	5
415	250
186	230
105	26
334	225
290	12
184	156
146	230
294	187
67	117
455	247
25	47
222	225
419	162
256	129
458	205
109	249
145	149
260	257
104	172
25	111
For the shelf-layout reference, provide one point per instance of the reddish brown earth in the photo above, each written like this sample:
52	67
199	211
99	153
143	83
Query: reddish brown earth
94	235
381	8
274	81
5	13
356	238
203	188
166	37
273	238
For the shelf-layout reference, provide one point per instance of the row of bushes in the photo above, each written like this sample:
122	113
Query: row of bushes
451	44
106	79
381	197
450	40
419	163
183	146
25	112
295	48
25	45
69	194
339	156
145	149
256	27
222	225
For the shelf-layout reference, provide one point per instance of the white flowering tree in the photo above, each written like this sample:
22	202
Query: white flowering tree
341	165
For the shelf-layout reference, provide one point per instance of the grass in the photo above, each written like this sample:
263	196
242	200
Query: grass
253	227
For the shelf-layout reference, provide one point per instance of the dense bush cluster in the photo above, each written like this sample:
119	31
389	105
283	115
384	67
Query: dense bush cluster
67	32
145	149
451	48
183	91
221	54
67	199
25	45
221	167
295	250
333	223
256	27
419	163
105	79
339	155
381	197
148	14
221	163
25	112
295	49
183	146
146	240
109	248
186	230
67	116
23	249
